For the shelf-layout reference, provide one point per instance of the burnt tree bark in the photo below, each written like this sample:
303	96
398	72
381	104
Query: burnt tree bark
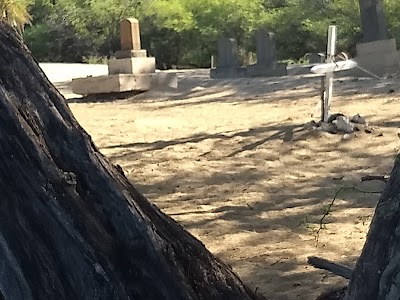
377	272
71	225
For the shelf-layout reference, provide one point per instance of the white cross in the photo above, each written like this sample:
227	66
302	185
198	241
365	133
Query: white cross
328	68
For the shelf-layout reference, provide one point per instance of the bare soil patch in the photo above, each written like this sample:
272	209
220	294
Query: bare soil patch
235	164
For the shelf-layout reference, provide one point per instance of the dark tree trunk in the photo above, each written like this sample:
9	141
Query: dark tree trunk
377	272
71	225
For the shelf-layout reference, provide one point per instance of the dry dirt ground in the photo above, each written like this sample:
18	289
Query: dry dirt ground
234	163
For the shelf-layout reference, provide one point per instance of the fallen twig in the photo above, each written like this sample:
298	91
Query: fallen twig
274	263
383	178
335	268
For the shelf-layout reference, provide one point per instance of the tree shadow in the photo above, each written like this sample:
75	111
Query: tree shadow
202	90
274	132
256	196
294	206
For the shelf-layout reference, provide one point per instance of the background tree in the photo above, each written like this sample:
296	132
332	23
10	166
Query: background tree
185	32
15	13
377	272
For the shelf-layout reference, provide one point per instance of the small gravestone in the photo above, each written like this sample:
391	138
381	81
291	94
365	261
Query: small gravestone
130	40
130	34
228	64
373	22
265	48
228	56
131	59
267	64
316	58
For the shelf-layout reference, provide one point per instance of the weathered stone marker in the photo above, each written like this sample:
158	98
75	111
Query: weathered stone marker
228	56
267	64
228	64
130	40
373	22
131	59
316	58
265	48
328	69
130	34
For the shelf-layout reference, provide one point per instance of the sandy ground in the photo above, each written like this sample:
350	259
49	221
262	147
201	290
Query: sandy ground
233	162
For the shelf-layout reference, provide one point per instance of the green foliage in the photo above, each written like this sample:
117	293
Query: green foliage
392	11
185	32
15	12
69	30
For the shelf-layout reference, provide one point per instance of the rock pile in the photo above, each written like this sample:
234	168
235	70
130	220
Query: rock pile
341	124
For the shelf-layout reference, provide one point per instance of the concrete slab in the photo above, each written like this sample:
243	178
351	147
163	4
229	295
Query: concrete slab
378	57
65	72
122	83
228	72
257	70
382	46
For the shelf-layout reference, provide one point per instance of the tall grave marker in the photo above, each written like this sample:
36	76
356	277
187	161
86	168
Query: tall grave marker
373	21
131	59
267	64
228	64
130	40
131	70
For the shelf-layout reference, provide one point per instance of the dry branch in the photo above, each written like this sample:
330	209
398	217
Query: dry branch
335	268
383	178
328	210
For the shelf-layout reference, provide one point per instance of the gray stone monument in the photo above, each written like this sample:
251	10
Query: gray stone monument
228	65
373	22
228	56
267	64
316	58
265	45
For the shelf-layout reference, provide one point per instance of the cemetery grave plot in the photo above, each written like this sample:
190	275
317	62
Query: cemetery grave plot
235	164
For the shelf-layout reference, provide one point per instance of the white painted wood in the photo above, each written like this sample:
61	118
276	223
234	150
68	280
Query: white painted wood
322	96
329	76
333	67
331	49
328	96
